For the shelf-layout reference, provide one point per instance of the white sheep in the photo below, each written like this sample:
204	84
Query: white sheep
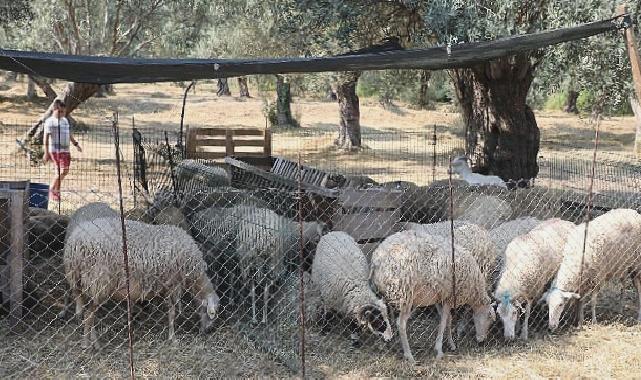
461	167
504	233
264	241
531	261
341	273
473	238
612	250
485	210
163	261
411	271
89	212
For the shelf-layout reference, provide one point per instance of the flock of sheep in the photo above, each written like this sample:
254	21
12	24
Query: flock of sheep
218	253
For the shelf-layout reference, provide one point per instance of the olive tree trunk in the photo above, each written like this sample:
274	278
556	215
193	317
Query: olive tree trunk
502	136
424	79
45	86
73	95
243	88
349	129
31	89
570	102
283	103
223	87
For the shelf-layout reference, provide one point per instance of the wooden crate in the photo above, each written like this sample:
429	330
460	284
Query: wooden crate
216	143
368	215
14	197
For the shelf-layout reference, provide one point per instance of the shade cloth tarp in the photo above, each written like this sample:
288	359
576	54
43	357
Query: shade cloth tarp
104	70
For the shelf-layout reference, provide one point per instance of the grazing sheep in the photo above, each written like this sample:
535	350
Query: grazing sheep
504	233
473	238
612	250
264	241
193	174
461	167
163	261
531	261
341	273
485	210
412	270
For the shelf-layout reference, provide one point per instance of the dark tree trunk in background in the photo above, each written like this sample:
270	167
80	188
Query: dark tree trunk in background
73	95
502	136
243	88
31	89
105	90
349	130
283	103
45	86
223	87
570	103
424	78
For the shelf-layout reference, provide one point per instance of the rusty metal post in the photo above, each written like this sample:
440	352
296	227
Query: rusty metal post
589	206
125	254
434	154
301	257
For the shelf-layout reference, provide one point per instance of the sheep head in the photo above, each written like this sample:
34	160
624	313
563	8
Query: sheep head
459	165
557	299
375	317
484	316
509	311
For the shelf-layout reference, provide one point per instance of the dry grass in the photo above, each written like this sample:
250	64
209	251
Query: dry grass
52	350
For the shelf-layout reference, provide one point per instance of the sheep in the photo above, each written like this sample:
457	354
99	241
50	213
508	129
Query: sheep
264	241
171	216
163	261
191	173
90	212
460	166
485	210
411	270
504	233
473	238
612	249
531	262
341	273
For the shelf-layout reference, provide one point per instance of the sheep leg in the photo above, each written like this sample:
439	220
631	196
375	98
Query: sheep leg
266	301
526	320
403	316
450	340
90	336
253	296
445	316
593	307
637	285
172	316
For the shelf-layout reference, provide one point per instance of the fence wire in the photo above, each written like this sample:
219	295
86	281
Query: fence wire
217	260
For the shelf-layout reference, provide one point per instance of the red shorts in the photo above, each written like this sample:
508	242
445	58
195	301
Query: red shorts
61	159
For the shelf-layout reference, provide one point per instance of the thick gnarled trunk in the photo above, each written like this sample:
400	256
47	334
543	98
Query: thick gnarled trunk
349	130
243	89
283	103
223	87
502	136
570	102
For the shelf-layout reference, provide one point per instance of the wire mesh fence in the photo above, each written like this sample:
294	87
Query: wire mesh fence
234	274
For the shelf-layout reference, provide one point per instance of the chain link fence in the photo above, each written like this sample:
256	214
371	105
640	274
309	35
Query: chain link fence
313	269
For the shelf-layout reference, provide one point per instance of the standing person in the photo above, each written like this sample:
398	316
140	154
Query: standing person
57	135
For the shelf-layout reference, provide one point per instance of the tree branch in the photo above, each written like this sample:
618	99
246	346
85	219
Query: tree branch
49	92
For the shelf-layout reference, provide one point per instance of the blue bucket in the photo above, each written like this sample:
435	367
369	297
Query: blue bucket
38	195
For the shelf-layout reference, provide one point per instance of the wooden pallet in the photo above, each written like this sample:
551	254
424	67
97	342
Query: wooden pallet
217	143
368	215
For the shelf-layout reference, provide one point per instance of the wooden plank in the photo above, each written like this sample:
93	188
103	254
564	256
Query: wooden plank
371	198
208	155
371	225
278	180
267	148
16	256
211	142
240	143
223	131
191	143
229	142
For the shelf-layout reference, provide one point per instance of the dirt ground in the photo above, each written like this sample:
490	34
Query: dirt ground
609	349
